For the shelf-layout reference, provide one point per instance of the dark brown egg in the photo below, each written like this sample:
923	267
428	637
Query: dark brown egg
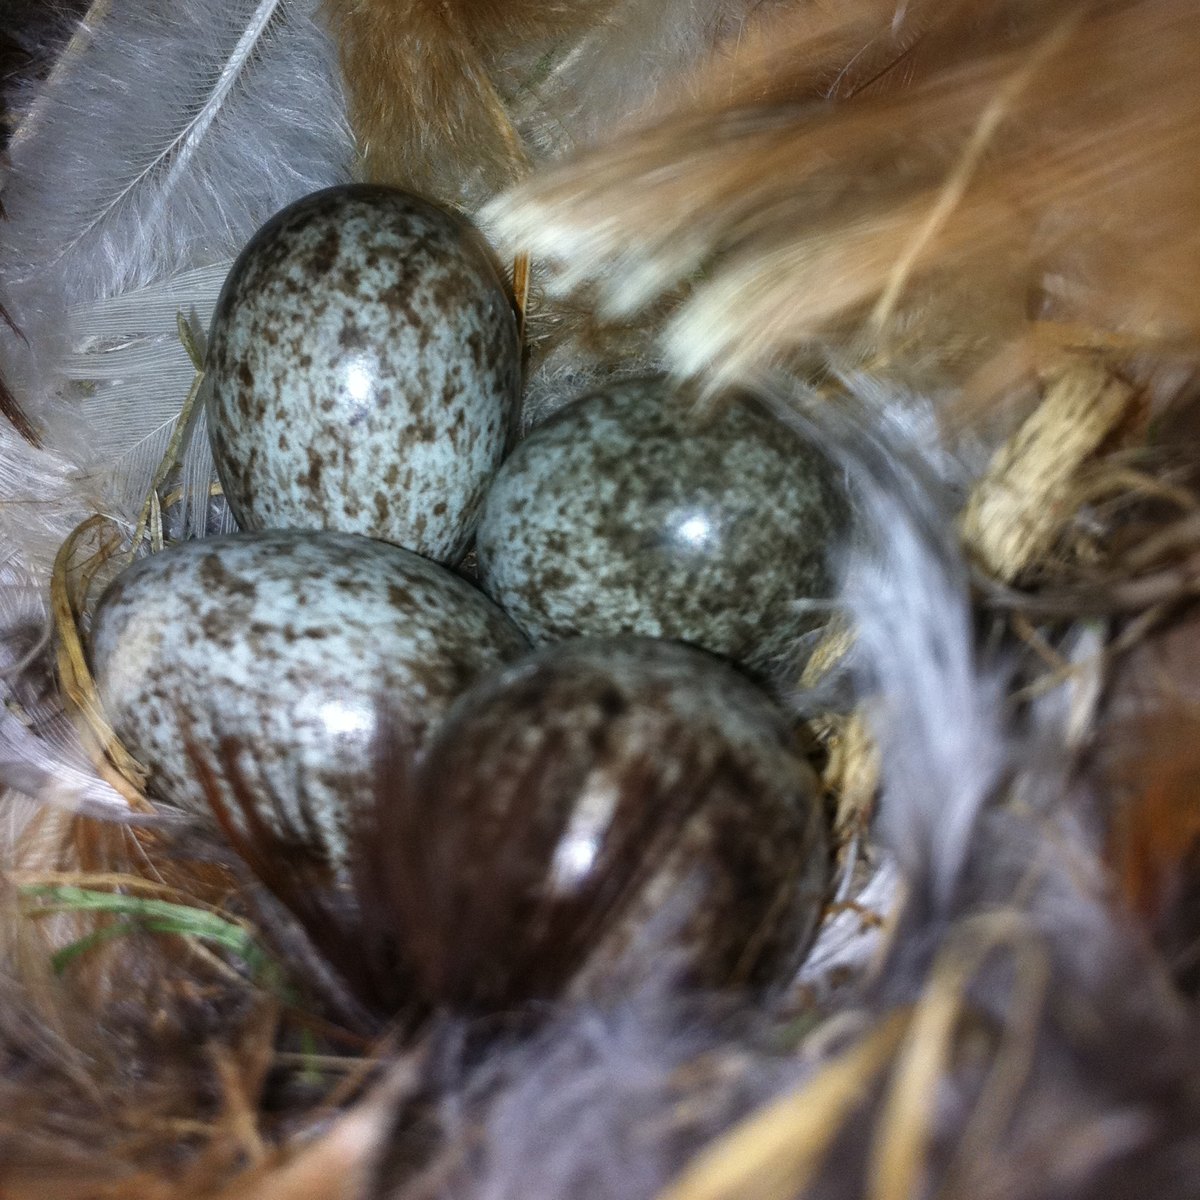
602	808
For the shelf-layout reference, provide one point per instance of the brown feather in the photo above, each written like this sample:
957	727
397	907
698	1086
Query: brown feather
404	59
981	170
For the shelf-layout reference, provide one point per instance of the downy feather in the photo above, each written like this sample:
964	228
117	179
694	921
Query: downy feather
629	56
935	714
935	710
442	128
174	132
40	752
503	86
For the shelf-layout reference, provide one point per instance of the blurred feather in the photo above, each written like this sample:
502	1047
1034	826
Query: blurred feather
937	716
442	129
541	1116
40	753
969	170
628	54
934	709
1147	753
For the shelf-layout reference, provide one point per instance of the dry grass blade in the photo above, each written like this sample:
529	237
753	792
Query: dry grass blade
242	1074
151	509
853	775
116	765
896	1165
776	1153
521	275
340	1163
1161	571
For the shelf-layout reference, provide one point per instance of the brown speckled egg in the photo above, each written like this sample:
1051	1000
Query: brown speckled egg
363	371
629	512
287	646
602	808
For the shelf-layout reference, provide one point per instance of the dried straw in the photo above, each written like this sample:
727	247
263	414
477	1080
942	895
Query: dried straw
776	1153
1019	507
68	592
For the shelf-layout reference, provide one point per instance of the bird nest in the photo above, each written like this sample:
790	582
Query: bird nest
953	245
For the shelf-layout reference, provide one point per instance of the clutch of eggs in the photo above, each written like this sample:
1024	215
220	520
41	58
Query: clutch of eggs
363	378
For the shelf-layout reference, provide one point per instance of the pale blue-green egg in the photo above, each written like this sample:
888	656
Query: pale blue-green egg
629	511
286	655
363	371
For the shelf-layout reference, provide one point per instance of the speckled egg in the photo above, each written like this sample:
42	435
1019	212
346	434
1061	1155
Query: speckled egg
286	650
629	512
363	371
603	809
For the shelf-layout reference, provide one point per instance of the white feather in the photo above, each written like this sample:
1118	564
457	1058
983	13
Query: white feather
53	766
171	136
40	753
39	503
128	355
935	713
167	134
574	1111
167	137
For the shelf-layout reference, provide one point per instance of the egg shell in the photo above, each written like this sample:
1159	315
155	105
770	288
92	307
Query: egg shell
295	646
363	371
598	806
630	512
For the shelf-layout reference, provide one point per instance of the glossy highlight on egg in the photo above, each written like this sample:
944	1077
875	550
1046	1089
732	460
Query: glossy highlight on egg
363	371
294	648
629	511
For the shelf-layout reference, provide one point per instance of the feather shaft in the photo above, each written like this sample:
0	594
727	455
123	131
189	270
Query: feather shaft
177	155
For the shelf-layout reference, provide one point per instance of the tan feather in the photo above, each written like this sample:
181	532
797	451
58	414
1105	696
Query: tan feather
422	102
457	98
